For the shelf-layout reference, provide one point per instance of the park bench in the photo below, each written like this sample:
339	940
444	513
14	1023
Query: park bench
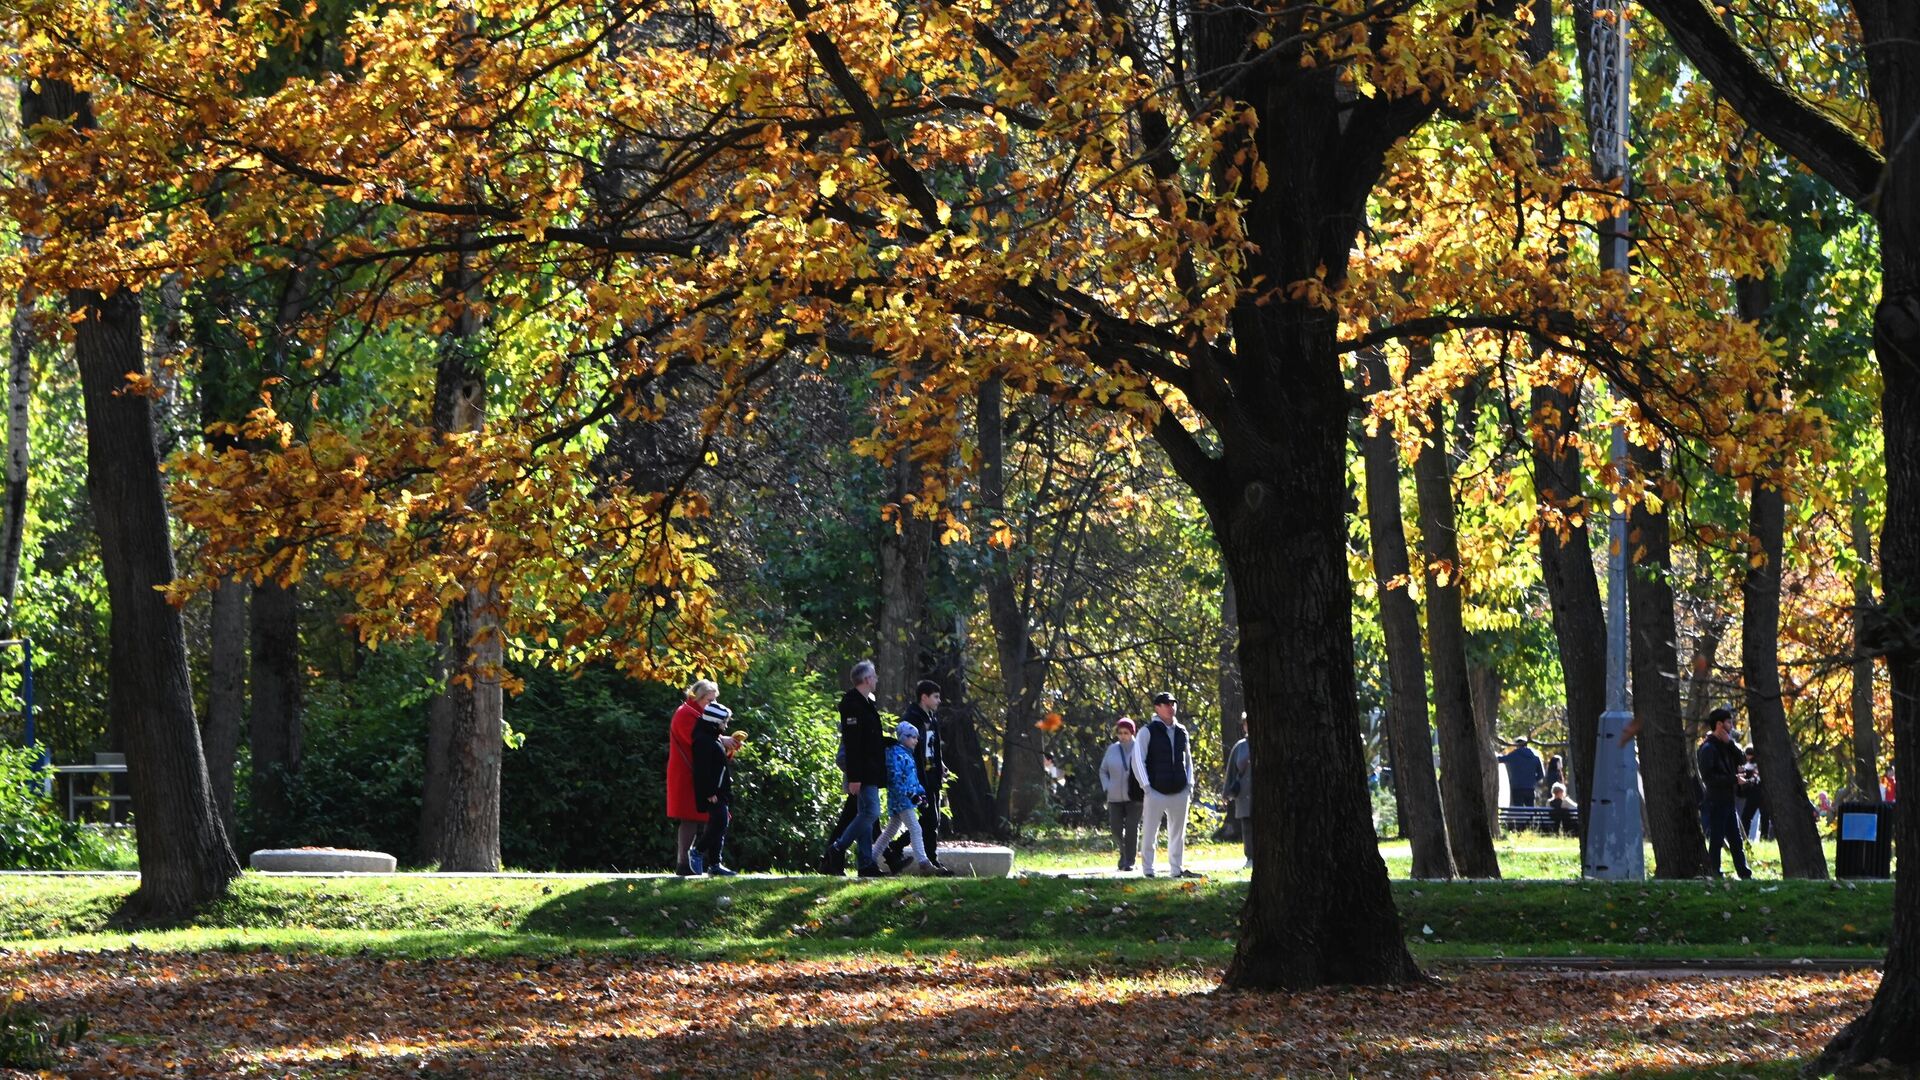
1539	819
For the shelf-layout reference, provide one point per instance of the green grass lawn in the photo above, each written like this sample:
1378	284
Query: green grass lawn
1045	917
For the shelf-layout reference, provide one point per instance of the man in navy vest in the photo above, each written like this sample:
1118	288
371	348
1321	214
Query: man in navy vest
1163	763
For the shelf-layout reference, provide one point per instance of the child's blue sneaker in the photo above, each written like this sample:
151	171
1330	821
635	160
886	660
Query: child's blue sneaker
695	861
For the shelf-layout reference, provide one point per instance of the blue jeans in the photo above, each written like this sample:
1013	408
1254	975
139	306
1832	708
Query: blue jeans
860	833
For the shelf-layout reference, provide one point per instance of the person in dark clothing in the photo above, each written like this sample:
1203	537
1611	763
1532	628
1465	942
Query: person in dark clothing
863	765
1523	772
923	714
1751	800
712	789
1556	771
1720	758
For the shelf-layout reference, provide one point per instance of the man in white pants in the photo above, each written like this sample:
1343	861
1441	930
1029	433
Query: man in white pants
1163	763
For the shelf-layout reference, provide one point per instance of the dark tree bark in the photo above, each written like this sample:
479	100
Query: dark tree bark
1461	793
185	858
905	544
226	692
1319	910
1233	695
1782	783
1866	737
969	792
1566	567
1487	685
1667	781
1887	186
275	731
21	337
460	807
1701	683
1415	786
1022	669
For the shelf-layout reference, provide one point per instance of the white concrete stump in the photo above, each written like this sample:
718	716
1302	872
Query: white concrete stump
977	860
322	861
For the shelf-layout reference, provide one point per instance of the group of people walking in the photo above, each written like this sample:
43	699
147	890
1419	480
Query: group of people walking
1148	778
890	820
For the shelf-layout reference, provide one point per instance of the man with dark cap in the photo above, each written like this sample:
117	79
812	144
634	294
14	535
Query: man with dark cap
1523	772
1720	758
1163	763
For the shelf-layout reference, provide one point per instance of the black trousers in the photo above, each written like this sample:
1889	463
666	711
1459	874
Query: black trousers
719	816
1723	829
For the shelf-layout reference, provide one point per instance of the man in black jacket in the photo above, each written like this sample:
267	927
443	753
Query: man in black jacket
1720	758
923	714
863	765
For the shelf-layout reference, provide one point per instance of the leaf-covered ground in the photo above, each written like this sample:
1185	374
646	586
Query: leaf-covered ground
265	1014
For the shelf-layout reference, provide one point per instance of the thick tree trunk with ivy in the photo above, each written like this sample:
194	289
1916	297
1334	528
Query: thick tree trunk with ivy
185	858
969	792
226	692
1487	686
1667	781
1461	794
1415	786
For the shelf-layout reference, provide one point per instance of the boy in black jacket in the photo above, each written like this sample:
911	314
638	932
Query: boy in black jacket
712	789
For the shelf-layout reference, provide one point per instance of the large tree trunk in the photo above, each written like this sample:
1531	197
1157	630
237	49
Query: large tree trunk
1022	672
1672	796
185	859
1485	681
1461	792
1782	784
460	807
1702	684
1866	737
1415	786
1566	567
226	692
1319	909
13	526
274	725
905	543
1233	694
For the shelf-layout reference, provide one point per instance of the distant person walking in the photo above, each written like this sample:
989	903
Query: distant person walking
1124	793
1719	758
1163	763
1237	793
683	809
863	766
1751	801
1524	772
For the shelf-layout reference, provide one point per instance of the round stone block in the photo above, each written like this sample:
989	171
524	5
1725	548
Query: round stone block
322	861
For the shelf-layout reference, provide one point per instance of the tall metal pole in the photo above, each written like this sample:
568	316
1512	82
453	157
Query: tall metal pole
1614	831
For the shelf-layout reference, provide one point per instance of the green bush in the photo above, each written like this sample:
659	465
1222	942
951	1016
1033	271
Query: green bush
33	834
586	789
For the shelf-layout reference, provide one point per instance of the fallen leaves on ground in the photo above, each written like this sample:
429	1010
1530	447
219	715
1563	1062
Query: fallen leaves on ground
260	1014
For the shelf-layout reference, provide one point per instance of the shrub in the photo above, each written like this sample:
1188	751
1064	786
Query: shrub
33	834
585	788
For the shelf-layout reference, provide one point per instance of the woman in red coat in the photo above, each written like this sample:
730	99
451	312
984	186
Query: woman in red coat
682	808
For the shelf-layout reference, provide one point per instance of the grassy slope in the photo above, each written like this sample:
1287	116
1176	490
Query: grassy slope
1046	917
